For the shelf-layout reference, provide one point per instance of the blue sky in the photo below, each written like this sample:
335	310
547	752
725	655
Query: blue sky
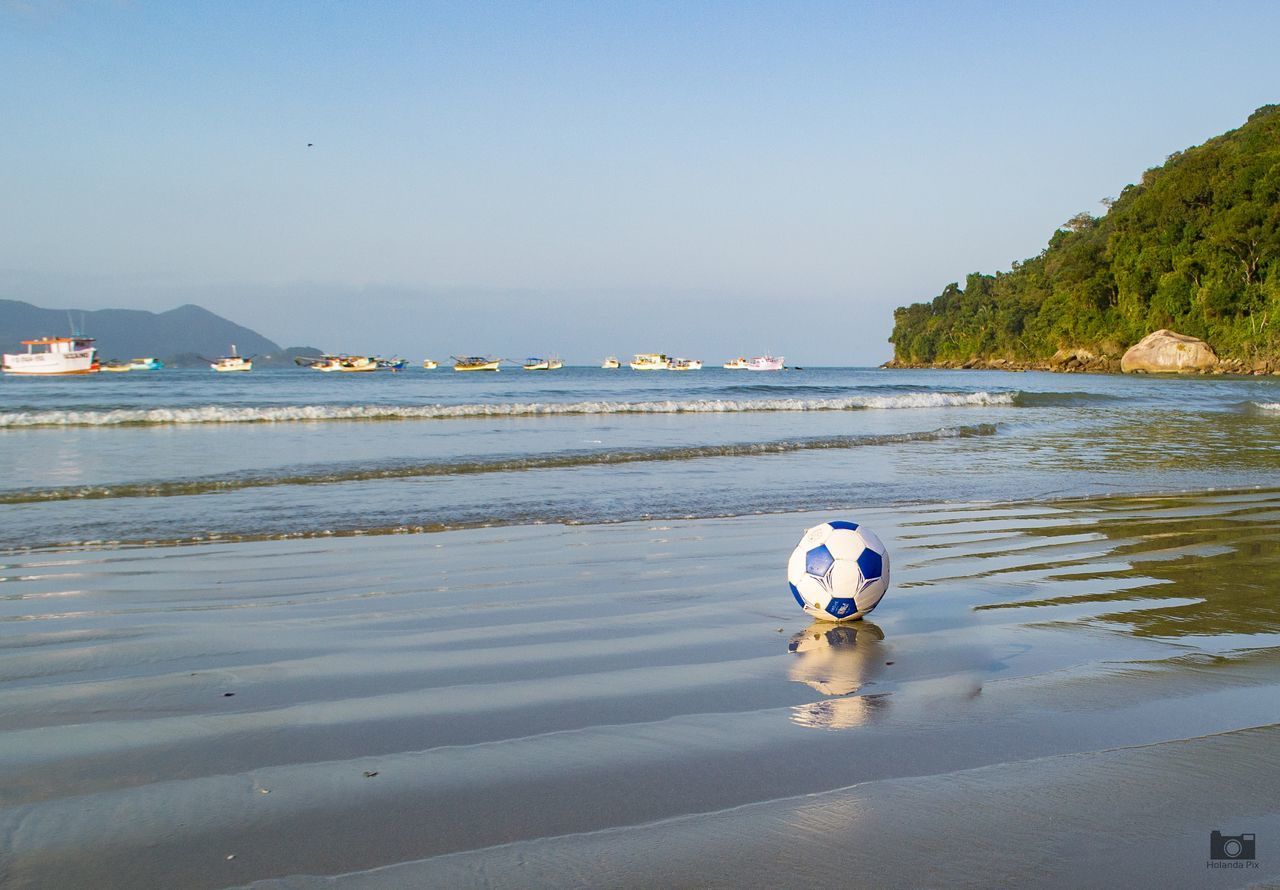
709	179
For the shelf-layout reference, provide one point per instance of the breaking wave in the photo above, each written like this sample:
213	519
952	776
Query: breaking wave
364	473
291	413
1267	406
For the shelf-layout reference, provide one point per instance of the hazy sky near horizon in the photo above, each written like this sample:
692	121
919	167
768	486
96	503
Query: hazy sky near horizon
708	179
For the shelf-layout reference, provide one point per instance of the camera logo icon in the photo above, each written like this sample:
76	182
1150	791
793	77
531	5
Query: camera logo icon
1232	846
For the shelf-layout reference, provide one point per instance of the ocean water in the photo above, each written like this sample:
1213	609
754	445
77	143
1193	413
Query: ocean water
183	455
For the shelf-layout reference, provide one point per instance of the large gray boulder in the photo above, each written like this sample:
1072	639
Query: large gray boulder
1168	351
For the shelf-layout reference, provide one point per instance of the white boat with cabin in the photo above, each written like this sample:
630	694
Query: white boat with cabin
60	355
765	363
650	361
233	362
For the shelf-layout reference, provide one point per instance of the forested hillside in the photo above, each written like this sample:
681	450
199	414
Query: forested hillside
1194	246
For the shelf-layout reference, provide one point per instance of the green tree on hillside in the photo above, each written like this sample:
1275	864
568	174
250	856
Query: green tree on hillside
1195	246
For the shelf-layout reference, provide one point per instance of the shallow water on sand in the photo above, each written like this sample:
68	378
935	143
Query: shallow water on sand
1059	693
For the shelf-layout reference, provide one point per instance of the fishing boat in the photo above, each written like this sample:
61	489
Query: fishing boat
475	363
391	364
684	364
650	361
233	362
355	364
114	367
345	363
738	364
59	355
430	364
765	363
534	363
146	364
611	363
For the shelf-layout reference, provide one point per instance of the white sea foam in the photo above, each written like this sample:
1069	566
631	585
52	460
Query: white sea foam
1268	406
289	413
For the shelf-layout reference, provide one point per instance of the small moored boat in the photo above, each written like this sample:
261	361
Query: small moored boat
738	364
233	362
358	364
430	364
650	361
684	364
611	363
765	363
347	363
475	363
146	364
533	363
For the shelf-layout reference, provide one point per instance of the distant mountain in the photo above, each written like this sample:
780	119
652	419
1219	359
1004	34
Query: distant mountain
178	336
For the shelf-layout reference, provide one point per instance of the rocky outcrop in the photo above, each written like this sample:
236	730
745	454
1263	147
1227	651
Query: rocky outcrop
1064	361
1245	367
1162	351
1078	360
1070	359
1168	352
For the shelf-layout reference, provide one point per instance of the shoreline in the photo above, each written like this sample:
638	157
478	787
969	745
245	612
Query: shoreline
400	531
1074	363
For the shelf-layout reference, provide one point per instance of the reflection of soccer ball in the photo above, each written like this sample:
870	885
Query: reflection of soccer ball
837	659
838	571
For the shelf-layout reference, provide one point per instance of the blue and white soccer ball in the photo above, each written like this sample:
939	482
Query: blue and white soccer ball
839	571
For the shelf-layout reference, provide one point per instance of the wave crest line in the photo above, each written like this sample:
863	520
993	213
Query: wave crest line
215	414
365	473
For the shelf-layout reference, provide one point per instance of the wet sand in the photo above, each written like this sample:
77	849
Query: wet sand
1058	694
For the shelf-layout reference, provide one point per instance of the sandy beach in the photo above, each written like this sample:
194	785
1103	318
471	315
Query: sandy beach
1069	693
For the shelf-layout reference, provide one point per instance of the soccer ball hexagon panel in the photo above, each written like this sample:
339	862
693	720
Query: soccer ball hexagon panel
839	571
